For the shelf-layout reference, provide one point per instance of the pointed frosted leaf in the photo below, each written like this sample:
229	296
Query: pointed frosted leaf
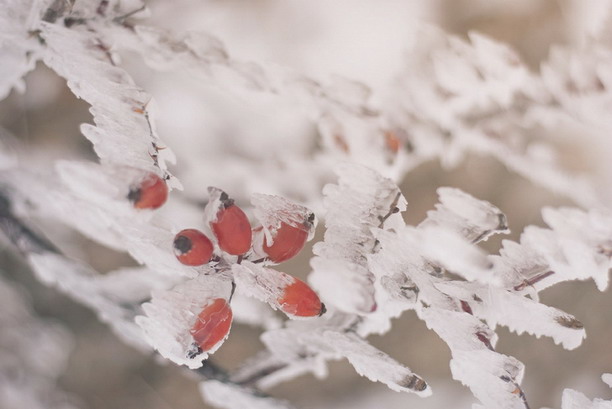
492	377
518	313
474	219
123	133
368	361
361	200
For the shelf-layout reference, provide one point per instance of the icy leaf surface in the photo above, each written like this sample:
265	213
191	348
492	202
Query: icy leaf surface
123	133
572	399
172	313
361	200
474	219
565	251
326	343
91	198
19	50
228	396
520	314
264	284
271	211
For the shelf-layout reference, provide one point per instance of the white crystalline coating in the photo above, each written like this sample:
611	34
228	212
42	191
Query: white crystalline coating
213	205
250	311
438	303
264	284
229	396
450	250
492	377
295	342
576	247
18	49
572	399
123	134
607	378
517	263
520	314
357	204
101	215
172	313
272	210
474	219
585	239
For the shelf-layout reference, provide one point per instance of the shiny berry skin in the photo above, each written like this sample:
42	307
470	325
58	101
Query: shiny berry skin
192	247
288	242
300	300
232	229
148	193
213	324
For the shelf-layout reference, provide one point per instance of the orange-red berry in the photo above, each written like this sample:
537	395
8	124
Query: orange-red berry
232	229
288	241
192	247
150	192
213	324
300	300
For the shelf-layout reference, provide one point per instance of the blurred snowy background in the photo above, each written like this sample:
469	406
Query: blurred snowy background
362	40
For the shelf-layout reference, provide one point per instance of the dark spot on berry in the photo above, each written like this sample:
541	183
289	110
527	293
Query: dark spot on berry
134	195
182	244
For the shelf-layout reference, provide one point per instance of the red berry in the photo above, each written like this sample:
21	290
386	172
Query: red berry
192	247
288	242
300	300
150	192
213	324
232	228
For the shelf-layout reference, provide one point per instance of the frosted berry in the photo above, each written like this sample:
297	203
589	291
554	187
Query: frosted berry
288	241
213	324
150	192
231	228
299	300
192	247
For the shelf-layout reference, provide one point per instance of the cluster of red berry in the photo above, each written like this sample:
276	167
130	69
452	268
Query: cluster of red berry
238	241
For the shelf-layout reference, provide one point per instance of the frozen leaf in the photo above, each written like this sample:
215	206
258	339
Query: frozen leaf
474	219
287	344
362	200
123	134
171	315
572	399
19	49
230	396
519	314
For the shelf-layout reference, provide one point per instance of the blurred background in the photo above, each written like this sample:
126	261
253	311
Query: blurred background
362	40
